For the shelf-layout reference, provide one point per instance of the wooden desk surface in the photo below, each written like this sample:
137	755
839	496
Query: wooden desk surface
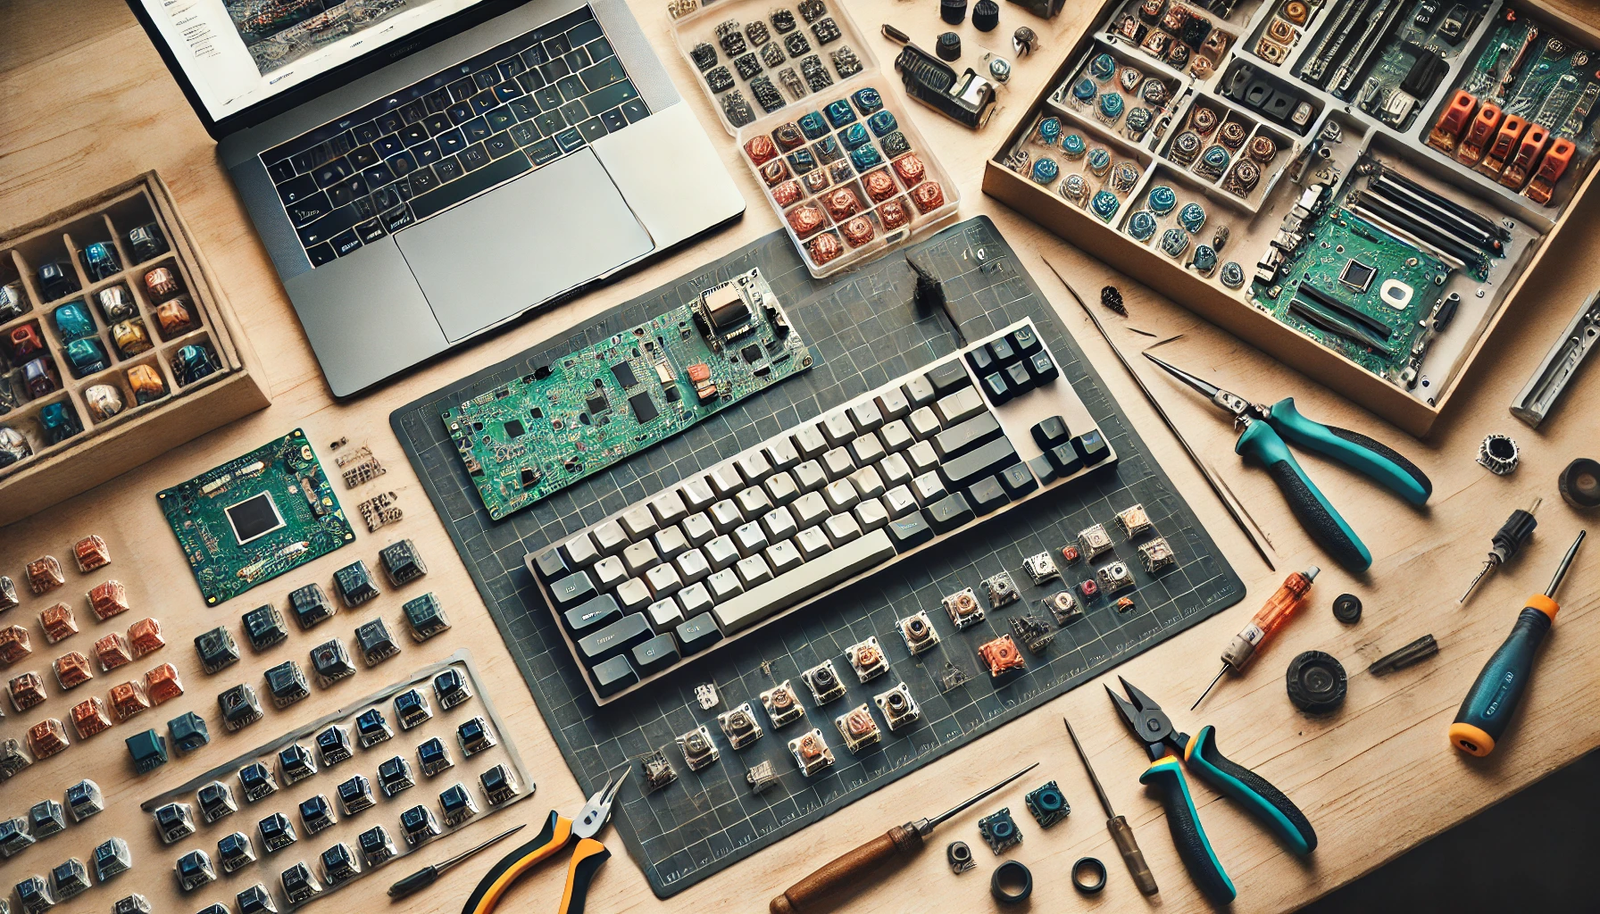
85	102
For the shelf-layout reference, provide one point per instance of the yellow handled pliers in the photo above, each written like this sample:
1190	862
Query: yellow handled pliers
558	832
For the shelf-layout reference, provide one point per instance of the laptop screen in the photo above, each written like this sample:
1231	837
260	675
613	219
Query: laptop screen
239	53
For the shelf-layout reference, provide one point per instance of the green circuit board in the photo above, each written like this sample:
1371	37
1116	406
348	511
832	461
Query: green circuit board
1536	74
1357	290
256	517
587	410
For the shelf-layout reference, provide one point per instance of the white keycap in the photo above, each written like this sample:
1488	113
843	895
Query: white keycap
924	424
608	572
809	476
782	557
963	404
811	578
781	488
896	436
893	403
610	537
721	552
895	470
870	514
867	482
928	488
753	502
580	550
899	501
694	599
866	449
779	524
633	595
725	515
810	509
753	571
638	521
724	585
810	441
841	496
750	538
670	543
668	508
664	614
663	581
837	463
753	464
838	428
639	556
865	416
841	529
697	529
692	566
725	479
812	542
919	391
697	494
782	453
921	456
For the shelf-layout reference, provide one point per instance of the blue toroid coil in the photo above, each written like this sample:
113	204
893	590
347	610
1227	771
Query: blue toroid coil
867	100
1050	130
1110	106
1205	259
881	123
1105	205
855	136
812	125
1099	162
1232	275
839	113
1141	226
866	158
895	144
1162	199
1174	242
1192	217
1103	67
1073	145
1045	170
1084	89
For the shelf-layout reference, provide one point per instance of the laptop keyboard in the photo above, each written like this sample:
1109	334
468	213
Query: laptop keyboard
447	138
828	501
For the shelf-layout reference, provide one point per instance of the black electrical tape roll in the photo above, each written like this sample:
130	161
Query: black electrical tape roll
953	11
1316	682
985	15
948	46
1094	869
1580	483
1011	883
1347	608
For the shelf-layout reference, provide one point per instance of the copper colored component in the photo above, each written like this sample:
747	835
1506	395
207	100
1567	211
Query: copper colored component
842	203
163	683
774	171
928	196
761	149
824	248
25	341
1124	604
859	722
1069	554
1296	11
145	636
1202	120
72	670
27	690
816	181
879	185
113	651
89	717
1262	148
47	737
809	747
58	623
174	317
893	215
787	194
14	644
91	553
44	574
162	284
109	598
699	372
1232	135
1001	656
805	219
910	169
128	698
858	231
131	338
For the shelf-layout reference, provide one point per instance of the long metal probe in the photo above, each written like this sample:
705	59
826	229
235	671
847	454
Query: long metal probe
927	825
1121	831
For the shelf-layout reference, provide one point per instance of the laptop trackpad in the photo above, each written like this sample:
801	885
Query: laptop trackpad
522	243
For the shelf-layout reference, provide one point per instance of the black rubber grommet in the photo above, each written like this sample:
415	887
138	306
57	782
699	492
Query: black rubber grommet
1010	873
953	11
948	46
1316	682
985	15
1094	869
1579	484
1347	608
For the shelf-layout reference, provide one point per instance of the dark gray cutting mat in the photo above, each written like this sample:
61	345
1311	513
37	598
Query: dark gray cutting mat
866	332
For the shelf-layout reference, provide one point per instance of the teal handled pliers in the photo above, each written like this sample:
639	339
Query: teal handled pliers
1263	430
1166	747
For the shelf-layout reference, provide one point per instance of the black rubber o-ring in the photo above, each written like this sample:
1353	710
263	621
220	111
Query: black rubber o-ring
1095	868
1347	608
1009	871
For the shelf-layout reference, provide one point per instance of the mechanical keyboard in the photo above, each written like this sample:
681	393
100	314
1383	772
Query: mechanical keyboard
827	502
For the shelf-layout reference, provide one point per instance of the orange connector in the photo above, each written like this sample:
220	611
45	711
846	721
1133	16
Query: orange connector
1453	122
1479	135
1555	163
1503	147
1528	152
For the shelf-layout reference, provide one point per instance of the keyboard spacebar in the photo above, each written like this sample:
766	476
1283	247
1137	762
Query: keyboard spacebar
806	581
449	194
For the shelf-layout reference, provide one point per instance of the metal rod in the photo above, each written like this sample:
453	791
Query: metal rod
1105	801
934	822
443	865
1566	562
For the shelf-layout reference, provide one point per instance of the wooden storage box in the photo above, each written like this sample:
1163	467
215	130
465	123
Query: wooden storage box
109	446
1255	218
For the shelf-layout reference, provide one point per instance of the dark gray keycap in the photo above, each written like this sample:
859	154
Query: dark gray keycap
1050	432
615	638
983	460
1091	446
909	532
1018	481
614	675
947	377
948	513
986	495
549	564
1043	469
1044	370
1018	377
964	436
698	633
591	615
572	590
658	653
1065	459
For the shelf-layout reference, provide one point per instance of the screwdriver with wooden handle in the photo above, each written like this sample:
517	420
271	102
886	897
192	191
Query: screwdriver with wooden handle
1121	831
850	870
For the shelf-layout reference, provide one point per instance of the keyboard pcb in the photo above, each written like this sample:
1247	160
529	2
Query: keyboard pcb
925	693
583	412
256	517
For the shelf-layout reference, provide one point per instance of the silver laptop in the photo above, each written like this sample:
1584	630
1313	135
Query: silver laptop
421	171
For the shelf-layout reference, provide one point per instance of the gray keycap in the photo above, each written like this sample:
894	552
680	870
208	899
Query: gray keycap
893	403
663	581
750	538
609	537
810	441
779	524
810	509
963	404
781	488
725	515
837	463
809	476
640	556
692	566
753	571
812	542
753	502
721	552
725	585
664	614
670	543
841	529
841	496
783	557
697	529
638	521
811	578
608	572
580	551
633	595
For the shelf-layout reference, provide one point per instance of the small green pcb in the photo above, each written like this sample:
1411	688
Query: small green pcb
1357	290
589	409
256	517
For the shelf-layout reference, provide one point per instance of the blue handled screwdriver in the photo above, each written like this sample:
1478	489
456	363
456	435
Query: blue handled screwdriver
1263	430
